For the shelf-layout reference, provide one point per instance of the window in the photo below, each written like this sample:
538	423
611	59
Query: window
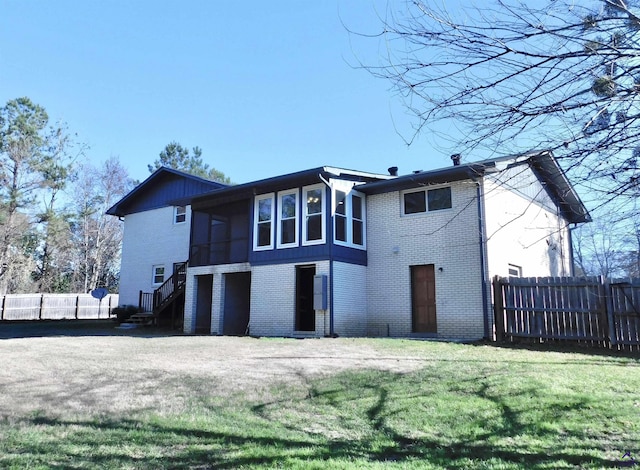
158	274
357	219
439	199
313	215
515	271
349	219
263	222
341	216
288	218
180	214
417	202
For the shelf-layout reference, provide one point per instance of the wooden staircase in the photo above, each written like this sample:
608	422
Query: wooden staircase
170	295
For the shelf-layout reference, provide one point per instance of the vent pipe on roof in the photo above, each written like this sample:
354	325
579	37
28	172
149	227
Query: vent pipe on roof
456	159
393	171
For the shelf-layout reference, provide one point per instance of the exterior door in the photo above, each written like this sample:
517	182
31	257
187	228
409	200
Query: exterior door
204	286
305	313
423	298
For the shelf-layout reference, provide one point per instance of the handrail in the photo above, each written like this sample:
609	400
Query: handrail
166	291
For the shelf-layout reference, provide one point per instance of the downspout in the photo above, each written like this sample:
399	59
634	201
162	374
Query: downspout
572	269
331	332
483	256
329	223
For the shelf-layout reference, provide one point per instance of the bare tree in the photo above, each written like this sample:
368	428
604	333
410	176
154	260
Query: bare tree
97	236
512	76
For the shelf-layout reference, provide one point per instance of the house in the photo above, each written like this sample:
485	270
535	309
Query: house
157	220
330	251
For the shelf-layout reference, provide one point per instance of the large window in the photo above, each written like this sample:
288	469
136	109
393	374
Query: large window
263	222
349	219
429	200
287	219
313	222
158	274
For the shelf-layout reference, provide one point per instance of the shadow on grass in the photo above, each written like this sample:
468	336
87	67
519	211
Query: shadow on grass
131	443
561	347
351	419
13	329
146	444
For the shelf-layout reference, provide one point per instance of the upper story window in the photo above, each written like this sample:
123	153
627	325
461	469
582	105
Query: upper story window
349	218
313	215
429	200
288	218
179	214
263	222
158	274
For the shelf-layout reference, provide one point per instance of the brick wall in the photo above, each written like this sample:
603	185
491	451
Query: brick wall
350	299
273	291
150	238
272	299
447	239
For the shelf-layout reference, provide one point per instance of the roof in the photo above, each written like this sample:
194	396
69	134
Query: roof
165	187
300	178
543	164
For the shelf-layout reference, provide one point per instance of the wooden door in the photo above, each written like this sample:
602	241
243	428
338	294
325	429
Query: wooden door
423	298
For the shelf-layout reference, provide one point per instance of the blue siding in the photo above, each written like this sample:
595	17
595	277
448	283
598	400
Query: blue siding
165	190
349	255
166	187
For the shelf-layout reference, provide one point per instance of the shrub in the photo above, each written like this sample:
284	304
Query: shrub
124	312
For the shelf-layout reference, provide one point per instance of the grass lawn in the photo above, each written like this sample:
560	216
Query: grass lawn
210	402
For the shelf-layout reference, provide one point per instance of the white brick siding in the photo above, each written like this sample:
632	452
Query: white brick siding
272	311
150	239
447	239
350	299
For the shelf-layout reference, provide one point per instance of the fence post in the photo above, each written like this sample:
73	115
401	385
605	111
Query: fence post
77	305
608	302
498	308
4	297
41	307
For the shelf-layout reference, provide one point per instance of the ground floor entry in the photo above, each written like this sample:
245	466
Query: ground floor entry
237	304
423	299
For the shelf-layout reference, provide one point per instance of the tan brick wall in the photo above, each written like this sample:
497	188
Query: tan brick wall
449	240
350	299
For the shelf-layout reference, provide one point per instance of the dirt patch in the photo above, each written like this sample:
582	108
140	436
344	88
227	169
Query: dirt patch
126	372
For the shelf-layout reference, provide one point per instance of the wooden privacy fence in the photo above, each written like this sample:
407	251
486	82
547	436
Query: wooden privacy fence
55	306
594	310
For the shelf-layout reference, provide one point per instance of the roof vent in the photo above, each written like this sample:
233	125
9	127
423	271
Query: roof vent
393	171
456	159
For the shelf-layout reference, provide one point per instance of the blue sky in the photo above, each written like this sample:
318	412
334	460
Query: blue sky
264	88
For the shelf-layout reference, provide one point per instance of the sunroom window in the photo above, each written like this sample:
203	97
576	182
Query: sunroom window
263	222
288	218
313	225
349	218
